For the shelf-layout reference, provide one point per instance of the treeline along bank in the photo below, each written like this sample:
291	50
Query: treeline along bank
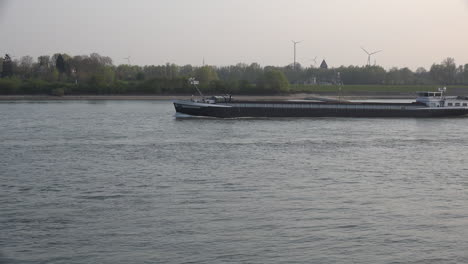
95	74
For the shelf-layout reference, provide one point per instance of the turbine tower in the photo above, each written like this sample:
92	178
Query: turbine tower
369	54
295	42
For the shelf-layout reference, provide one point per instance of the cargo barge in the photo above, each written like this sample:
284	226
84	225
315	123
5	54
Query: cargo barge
427	104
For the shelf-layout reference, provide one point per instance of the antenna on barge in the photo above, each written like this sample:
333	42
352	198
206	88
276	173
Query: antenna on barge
194	82
442	91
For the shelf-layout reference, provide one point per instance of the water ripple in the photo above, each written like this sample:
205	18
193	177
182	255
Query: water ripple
125	182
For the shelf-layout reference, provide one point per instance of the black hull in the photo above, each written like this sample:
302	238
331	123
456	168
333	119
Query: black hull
235	111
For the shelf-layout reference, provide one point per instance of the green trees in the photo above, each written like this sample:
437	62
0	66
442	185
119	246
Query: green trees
126	72
444	73
60	64
273	81
205	75
163	86
10	85
7	66
96	74
25	67
464	74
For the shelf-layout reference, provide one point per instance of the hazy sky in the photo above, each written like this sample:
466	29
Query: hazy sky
412	33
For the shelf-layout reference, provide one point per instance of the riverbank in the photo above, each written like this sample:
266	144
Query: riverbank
297	96
346	95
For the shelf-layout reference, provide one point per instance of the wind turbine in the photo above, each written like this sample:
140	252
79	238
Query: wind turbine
314	60
369	54
128	60
295	43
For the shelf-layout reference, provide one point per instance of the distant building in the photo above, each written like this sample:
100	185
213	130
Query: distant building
308	81
323	65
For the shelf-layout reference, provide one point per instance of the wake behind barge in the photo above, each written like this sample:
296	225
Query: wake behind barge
427	104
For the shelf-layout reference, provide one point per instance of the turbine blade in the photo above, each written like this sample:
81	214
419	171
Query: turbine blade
365	50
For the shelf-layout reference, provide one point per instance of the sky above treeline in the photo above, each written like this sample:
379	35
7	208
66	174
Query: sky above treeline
411	33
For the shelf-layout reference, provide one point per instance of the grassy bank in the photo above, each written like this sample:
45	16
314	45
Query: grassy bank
299	88
296	92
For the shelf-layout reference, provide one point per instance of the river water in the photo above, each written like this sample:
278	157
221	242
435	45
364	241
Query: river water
127	182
